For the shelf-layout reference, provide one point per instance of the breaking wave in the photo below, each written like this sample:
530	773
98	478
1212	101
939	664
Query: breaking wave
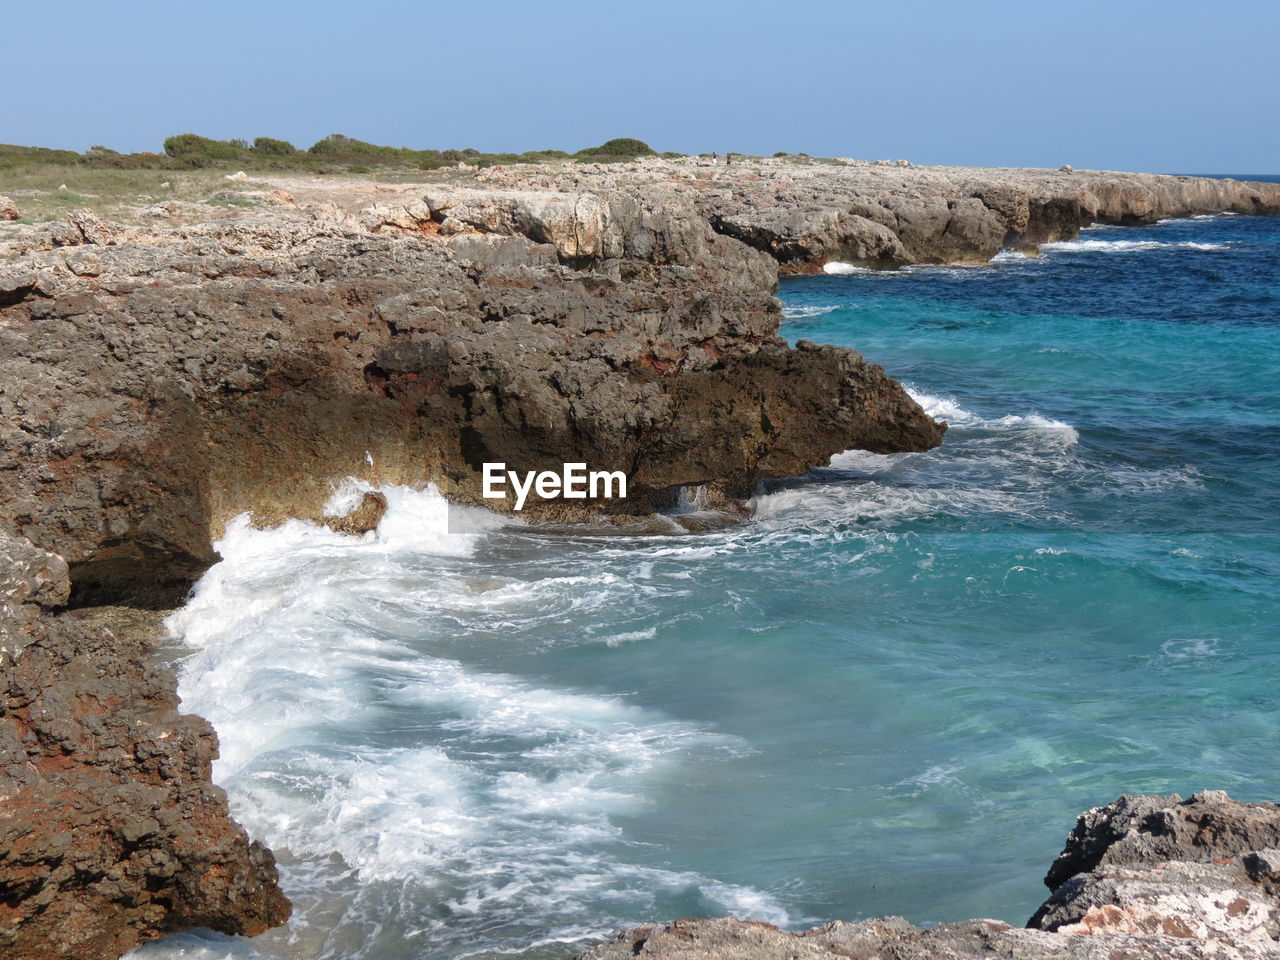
1128	246
806	312
383	765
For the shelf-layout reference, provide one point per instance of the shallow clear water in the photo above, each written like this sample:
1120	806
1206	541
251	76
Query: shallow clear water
889	693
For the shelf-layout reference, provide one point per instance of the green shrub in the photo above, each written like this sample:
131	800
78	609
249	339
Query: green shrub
619	147
191	144
273	147
12	155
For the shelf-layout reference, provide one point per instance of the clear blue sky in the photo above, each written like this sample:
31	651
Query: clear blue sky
1170	86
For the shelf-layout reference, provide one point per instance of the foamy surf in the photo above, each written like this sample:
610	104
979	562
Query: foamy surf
376	765
946	408
1128	246
1011	256
840	268
806	312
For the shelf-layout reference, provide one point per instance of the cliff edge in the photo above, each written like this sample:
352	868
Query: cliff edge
164	373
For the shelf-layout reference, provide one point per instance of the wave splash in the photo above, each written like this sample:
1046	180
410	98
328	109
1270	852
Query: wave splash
400	784
946	408
1128	246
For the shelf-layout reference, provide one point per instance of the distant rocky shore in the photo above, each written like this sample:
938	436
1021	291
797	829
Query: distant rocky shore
164	373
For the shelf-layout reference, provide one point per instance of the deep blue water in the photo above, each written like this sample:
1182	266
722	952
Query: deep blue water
890	693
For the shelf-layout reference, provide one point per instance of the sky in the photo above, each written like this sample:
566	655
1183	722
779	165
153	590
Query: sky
1172	87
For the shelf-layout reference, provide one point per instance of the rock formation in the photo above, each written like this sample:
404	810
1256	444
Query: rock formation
159	382
111	832
1143	878
160	377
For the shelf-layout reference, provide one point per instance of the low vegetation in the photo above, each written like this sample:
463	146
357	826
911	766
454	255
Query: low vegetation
335	153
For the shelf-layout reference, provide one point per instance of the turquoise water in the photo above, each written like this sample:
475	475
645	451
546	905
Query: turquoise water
890	693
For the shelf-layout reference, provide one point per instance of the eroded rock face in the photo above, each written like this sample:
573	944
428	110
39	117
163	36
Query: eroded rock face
1143	831
111	832
155	381
31	579
158	383
1175	898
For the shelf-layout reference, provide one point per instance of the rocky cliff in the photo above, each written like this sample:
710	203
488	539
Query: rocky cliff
165	373
111	831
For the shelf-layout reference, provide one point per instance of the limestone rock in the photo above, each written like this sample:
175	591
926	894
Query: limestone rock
84	226
1140	831
8	209
892	938
248	363
1175	898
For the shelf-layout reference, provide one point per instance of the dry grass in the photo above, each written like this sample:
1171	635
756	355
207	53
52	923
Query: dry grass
45	193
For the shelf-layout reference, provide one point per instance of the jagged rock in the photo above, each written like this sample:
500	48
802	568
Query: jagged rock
178	375
1142	830
9	209
892	938
84	226
110	830
250	362
1175	898
31	580
365	517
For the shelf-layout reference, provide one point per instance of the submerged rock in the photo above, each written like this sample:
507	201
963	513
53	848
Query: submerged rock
365	517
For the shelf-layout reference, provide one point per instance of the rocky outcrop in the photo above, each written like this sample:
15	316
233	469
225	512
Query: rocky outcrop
892	938
876	218
159	384
111	832
157	380
1200	901
161	379
1143	877
9	209
1141	831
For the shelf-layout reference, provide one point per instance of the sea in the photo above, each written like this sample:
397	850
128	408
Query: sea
891	691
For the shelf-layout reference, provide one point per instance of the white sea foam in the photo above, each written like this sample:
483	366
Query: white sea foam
1128	246
1194	649
367	757
1011	256
1200	216
946	408
806	313
839	267
991	467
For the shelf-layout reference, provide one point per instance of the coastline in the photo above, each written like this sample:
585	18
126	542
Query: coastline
516	231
